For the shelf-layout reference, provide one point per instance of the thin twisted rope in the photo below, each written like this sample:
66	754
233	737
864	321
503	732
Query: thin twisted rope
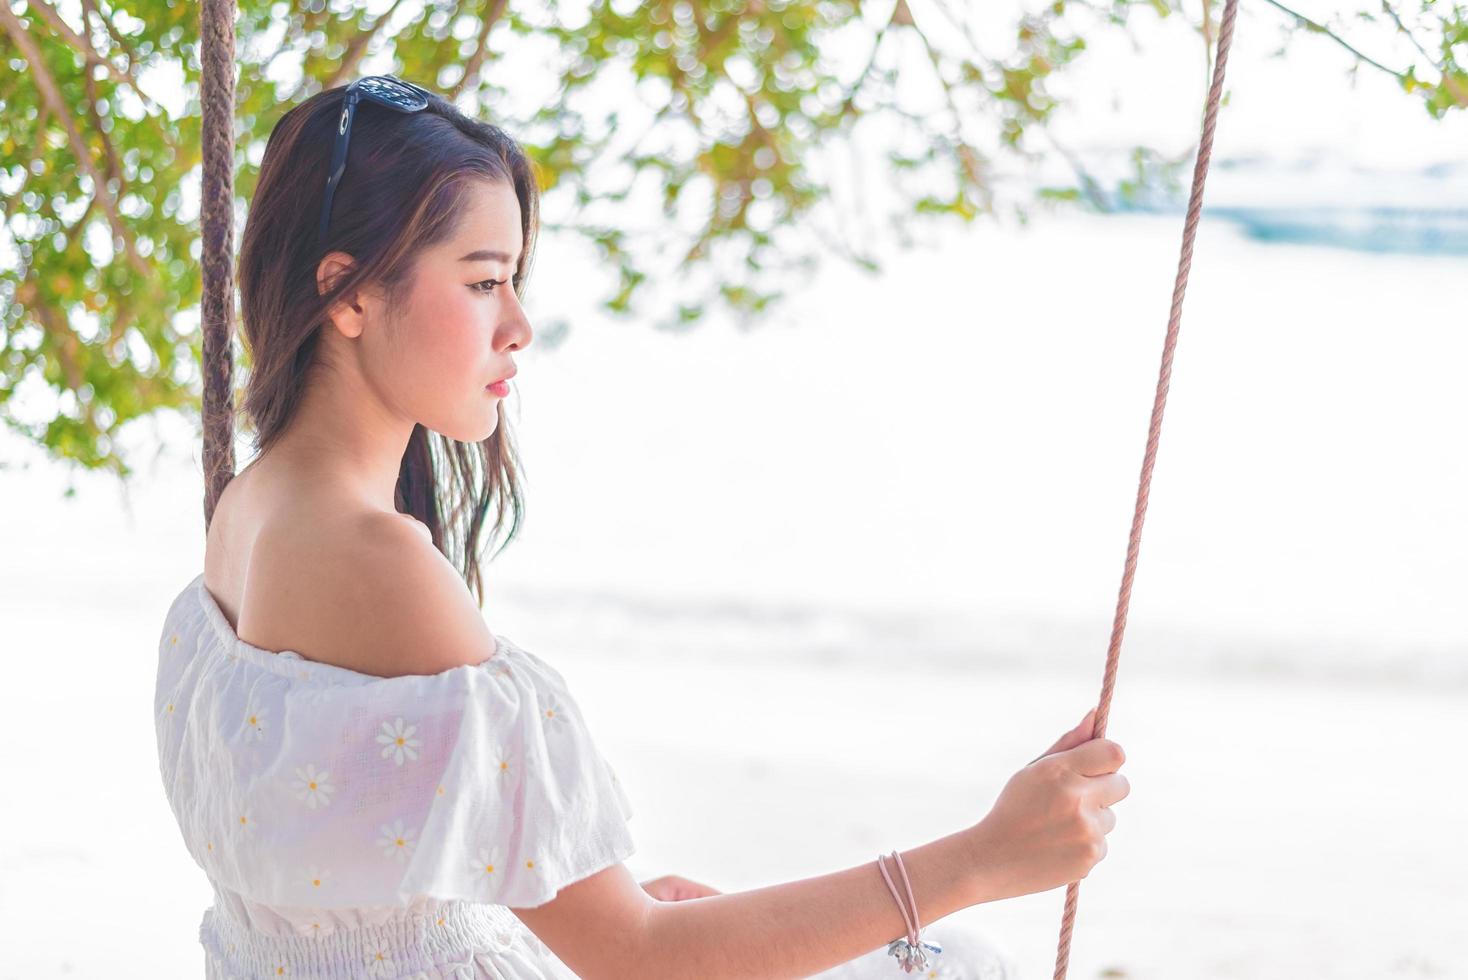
1195	206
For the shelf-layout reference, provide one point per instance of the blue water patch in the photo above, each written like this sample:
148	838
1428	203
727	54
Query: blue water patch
1330	203
1408	231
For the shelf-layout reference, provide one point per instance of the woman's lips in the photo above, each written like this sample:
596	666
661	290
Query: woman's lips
499	389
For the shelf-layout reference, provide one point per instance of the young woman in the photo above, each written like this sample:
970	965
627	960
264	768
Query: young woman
376	783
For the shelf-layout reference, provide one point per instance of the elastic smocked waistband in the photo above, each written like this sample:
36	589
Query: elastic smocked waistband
414	942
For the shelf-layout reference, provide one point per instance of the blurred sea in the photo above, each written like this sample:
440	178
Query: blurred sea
1326	201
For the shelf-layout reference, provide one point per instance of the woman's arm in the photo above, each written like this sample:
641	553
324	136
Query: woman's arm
1047	828
605	927
803	927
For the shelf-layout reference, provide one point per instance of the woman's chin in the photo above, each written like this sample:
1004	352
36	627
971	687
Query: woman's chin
471	430
485	433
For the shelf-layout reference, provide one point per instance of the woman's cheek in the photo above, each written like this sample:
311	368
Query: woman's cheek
459	346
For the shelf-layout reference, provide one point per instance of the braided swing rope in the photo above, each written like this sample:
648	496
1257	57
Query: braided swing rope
1195	205
216	98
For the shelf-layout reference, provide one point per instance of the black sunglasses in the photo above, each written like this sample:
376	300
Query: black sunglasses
385	90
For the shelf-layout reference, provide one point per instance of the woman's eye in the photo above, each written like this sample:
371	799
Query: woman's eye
487	286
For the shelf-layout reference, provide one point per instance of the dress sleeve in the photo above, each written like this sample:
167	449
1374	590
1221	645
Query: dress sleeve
480	783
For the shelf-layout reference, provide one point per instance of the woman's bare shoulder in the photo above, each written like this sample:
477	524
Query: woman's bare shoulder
367	591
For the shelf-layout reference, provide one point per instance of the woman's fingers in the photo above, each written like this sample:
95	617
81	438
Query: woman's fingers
1072	738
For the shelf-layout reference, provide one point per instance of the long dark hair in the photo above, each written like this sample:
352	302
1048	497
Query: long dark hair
406	181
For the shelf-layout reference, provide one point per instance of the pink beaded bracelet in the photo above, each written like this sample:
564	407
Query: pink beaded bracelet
912	951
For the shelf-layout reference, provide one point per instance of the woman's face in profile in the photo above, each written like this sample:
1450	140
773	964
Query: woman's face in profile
460	324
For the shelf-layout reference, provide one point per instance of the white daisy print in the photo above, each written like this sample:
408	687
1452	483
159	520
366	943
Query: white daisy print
397	741
380	965
397	841
255	725
316	877
553	714
245	821
941	971
312	787
488	864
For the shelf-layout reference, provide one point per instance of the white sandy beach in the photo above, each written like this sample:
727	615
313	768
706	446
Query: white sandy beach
879	538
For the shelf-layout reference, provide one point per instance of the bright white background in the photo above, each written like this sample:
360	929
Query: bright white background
883	533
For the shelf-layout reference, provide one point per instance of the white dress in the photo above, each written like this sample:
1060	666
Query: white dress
361	826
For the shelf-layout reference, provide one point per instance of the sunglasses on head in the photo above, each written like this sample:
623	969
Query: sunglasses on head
385	90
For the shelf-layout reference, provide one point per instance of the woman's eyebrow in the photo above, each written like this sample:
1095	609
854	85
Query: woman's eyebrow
486	255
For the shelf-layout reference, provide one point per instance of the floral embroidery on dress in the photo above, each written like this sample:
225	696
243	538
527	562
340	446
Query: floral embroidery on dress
554	715
311	732
486	863
255	720
312	787
397	741
989	966
379	964
397	841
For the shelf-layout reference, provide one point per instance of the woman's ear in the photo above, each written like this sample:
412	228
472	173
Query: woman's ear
346	314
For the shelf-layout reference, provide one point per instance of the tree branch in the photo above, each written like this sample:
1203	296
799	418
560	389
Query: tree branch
1410	36
51	94
112	32
84	47
898	9
357	49
114	166
43	116
1448	81
481	50
972	162
1319	28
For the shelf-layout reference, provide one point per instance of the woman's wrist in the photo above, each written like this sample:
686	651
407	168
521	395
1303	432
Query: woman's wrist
984	881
